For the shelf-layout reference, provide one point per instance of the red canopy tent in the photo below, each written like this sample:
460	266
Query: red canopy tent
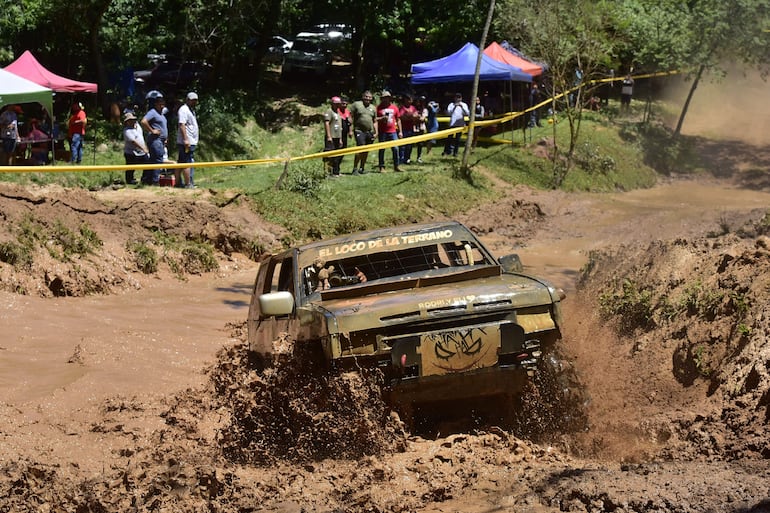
28	67
497	52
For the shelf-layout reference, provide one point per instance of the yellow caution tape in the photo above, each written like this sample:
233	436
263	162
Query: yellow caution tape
441	134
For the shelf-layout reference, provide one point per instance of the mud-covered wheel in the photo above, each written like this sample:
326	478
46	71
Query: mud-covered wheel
284	350
552	403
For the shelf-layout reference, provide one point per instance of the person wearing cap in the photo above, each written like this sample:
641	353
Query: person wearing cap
364	129
9	132
135	149
388	128
76	131
186	140
333	134
457	111
156	126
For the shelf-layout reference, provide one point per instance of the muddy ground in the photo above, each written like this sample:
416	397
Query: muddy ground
124	388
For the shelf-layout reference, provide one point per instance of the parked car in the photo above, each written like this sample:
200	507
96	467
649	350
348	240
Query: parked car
173	73
427	305
309	53
279	47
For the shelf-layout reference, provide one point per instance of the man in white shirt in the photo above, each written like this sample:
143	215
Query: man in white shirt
457	111
187	140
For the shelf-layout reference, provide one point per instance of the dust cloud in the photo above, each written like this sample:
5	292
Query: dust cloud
731	107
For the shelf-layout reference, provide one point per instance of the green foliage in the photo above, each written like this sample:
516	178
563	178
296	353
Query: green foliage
701	361
61	242
145	256
198	257
632	305
590	158
306	178
16	254
701	301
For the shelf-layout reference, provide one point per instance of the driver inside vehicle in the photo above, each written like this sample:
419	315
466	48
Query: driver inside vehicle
323	277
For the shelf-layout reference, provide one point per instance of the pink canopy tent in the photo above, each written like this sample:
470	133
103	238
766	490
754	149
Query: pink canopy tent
28	67
497	52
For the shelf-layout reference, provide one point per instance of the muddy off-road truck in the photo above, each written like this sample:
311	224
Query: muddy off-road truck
426	304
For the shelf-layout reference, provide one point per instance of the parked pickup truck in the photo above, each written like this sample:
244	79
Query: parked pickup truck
427	304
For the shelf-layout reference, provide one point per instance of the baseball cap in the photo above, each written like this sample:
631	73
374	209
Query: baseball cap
192	96
385	93
153	95
129	117
336	99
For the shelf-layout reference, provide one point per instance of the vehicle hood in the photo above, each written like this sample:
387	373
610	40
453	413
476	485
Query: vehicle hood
429	300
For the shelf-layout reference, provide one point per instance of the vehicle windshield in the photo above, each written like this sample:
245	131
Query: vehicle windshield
412	261
307	46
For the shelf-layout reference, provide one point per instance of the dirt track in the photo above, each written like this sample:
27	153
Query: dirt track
96	388
125	401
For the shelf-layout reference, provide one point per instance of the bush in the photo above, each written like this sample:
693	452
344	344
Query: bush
145	257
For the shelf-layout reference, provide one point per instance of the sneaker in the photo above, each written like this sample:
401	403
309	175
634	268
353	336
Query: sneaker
381	169
419	160
355	172
190	186
408	161
362	171
397	169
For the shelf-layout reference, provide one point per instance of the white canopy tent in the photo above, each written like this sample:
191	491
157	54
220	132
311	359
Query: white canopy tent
14	89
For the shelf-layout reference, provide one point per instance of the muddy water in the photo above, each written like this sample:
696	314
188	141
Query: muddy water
54	348
156	340
591	221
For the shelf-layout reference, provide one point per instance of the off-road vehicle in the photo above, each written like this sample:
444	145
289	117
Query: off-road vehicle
426	304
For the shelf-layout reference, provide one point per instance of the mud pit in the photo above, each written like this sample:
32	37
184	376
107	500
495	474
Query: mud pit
138	399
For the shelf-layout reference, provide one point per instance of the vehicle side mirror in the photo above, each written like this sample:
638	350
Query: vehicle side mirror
276	303
511	263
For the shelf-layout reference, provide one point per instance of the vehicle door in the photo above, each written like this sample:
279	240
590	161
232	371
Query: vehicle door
275	275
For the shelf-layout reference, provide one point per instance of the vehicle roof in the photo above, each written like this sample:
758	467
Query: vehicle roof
382	232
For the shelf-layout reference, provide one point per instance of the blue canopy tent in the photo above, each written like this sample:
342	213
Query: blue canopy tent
461	67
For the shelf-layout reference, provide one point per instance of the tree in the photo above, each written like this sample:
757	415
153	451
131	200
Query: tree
698	36
574	39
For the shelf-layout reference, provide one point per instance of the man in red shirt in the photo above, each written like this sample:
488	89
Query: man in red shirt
409	117
388	128
77	131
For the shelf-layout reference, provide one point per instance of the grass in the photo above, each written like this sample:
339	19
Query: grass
310	206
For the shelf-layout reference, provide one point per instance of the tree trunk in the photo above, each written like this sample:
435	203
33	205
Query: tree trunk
464	169
686	105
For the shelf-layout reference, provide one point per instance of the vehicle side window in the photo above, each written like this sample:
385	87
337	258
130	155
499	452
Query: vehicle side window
280	276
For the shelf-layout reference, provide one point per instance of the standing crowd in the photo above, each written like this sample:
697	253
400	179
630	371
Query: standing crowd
153	149
364	122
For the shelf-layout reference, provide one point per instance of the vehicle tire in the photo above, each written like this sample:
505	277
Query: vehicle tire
553	403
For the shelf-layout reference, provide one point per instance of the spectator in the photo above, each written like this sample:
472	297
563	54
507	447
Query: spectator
431	123
478	114
39	144
76	130
626	92
457	111
534	99
364	129
9	130
409	117
388	128
420	127
156	126
186	140
135	149
347	124
333	134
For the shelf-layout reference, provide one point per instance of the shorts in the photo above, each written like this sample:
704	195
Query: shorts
186	157
363	138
